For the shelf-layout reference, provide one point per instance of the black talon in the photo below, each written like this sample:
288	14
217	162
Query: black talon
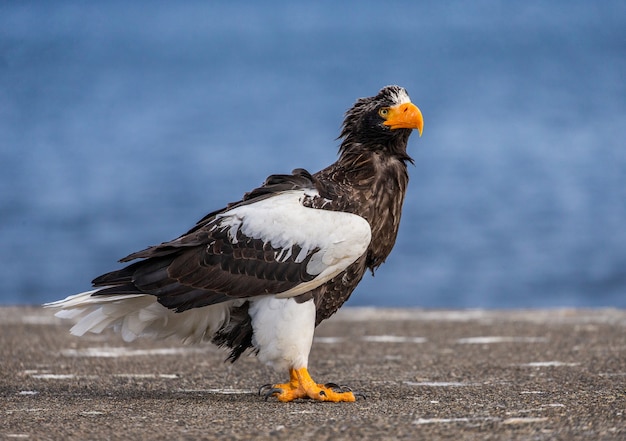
272	391
360	395
265	386
322	393
338	388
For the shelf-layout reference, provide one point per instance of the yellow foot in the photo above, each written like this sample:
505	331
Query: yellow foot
301	385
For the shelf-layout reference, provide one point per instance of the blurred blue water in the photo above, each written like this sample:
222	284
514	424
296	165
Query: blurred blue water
122	123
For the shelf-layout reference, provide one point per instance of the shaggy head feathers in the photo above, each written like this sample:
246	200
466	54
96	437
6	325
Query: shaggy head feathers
363	127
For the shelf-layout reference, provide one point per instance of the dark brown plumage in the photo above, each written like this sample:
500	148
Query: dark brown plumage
246	252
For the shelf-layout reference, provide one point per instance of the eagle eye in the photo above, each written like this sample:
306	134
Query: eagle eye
383	112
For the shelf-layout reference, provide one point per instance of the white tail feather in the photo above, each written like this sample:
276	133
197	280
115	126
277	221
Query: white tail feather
140	315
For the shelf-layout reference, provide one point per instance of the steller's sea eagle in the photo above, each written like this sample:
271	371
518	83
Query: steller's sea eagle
263	272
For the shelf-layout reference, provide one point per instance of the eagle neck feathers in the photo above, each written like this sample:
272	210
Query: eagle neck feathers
371	183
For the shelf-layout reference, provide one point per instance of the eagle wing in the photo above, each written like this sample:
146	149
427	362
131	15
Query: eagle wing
271	242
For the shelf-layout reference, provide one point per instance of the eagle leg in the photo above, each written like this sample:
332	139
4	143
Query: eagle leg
301	385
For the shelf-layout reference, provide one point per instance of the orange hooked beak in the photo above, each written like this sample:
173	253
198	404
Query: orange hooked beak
405	116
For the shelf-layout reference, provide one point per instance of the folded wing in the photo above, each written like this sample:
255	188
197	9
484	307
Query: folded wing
269	243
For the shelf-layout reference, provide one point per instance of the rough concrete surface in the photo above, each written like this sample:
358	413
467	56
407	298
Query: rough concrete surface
520	375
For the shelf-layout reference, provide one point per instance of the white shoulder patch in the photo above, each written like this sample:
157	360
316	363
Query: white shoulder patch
283	222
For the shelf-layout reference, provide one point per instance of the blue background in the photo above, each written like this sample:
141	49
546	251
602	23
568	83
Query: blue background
122	123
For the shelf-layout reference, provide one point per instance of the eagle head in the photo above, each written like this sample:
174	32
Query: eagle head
381	122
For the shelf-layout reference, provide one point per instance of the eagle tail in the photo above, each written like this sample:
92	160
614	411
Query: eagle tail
140	315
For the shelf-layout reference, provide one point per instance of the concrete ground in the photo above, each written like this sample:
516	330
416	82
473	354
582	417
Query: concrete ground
520	375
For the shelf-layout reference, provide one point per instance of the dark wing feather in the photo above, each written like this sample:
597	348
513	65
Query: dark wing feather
204	266
299	179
